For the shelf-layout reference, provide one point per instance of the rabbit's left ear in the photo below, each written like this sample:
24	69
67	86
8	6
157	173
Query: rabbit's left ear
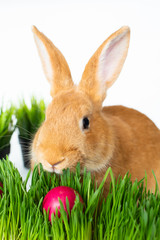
54	64
105	65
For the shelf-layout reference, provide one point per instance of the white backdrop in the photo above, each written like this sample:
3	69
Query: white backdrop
77	28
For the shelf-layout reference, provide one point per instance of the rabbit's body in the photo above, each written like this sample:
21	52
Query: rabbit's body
136	144
78	129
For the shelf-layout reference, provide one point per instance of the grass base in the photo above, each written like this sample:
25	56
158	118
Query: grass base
128	212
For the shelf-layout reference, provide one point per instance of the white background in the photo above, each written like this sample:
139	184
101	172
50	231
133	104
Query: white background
77	28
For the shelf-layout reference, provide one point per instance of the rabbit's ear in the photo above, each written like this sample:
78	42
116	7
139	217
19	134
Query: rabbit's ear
105	65
54	64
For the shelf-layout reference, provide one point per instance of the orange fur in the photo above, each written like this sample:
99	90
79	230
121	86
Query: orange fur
119	137
62	75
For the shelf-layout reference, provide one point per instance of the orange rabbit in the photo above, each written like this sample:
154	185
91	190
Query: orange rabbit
78	129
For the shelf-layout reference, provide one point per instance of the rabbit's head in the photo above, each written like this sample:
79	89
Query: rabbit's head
75	129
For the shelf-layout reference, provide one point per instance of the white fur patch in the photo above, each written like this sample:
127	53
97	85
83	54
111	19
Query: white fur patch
48	169
81	124
58	171
45	59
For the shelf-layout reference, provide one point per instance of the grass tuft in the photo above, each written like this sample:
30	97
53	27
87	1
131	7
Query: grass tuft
6	126
30	118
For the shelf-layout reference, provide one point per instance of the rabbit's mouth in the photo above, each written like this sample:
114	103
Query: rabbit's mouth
55	169
52	168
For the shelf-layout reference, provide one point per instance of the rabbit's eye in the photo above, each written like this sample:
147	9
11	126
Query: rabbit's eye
85	123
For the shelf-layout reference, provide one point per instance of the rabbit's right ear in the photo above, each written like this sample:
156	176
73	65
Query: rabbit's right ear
105	65
54	64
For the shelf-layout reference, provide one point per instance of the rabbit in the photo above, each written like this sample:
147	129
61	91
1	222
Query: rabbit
78	129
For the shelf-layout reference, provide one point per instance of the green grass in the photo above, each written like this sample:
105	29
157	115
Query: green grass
6	126
30	118
128	212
